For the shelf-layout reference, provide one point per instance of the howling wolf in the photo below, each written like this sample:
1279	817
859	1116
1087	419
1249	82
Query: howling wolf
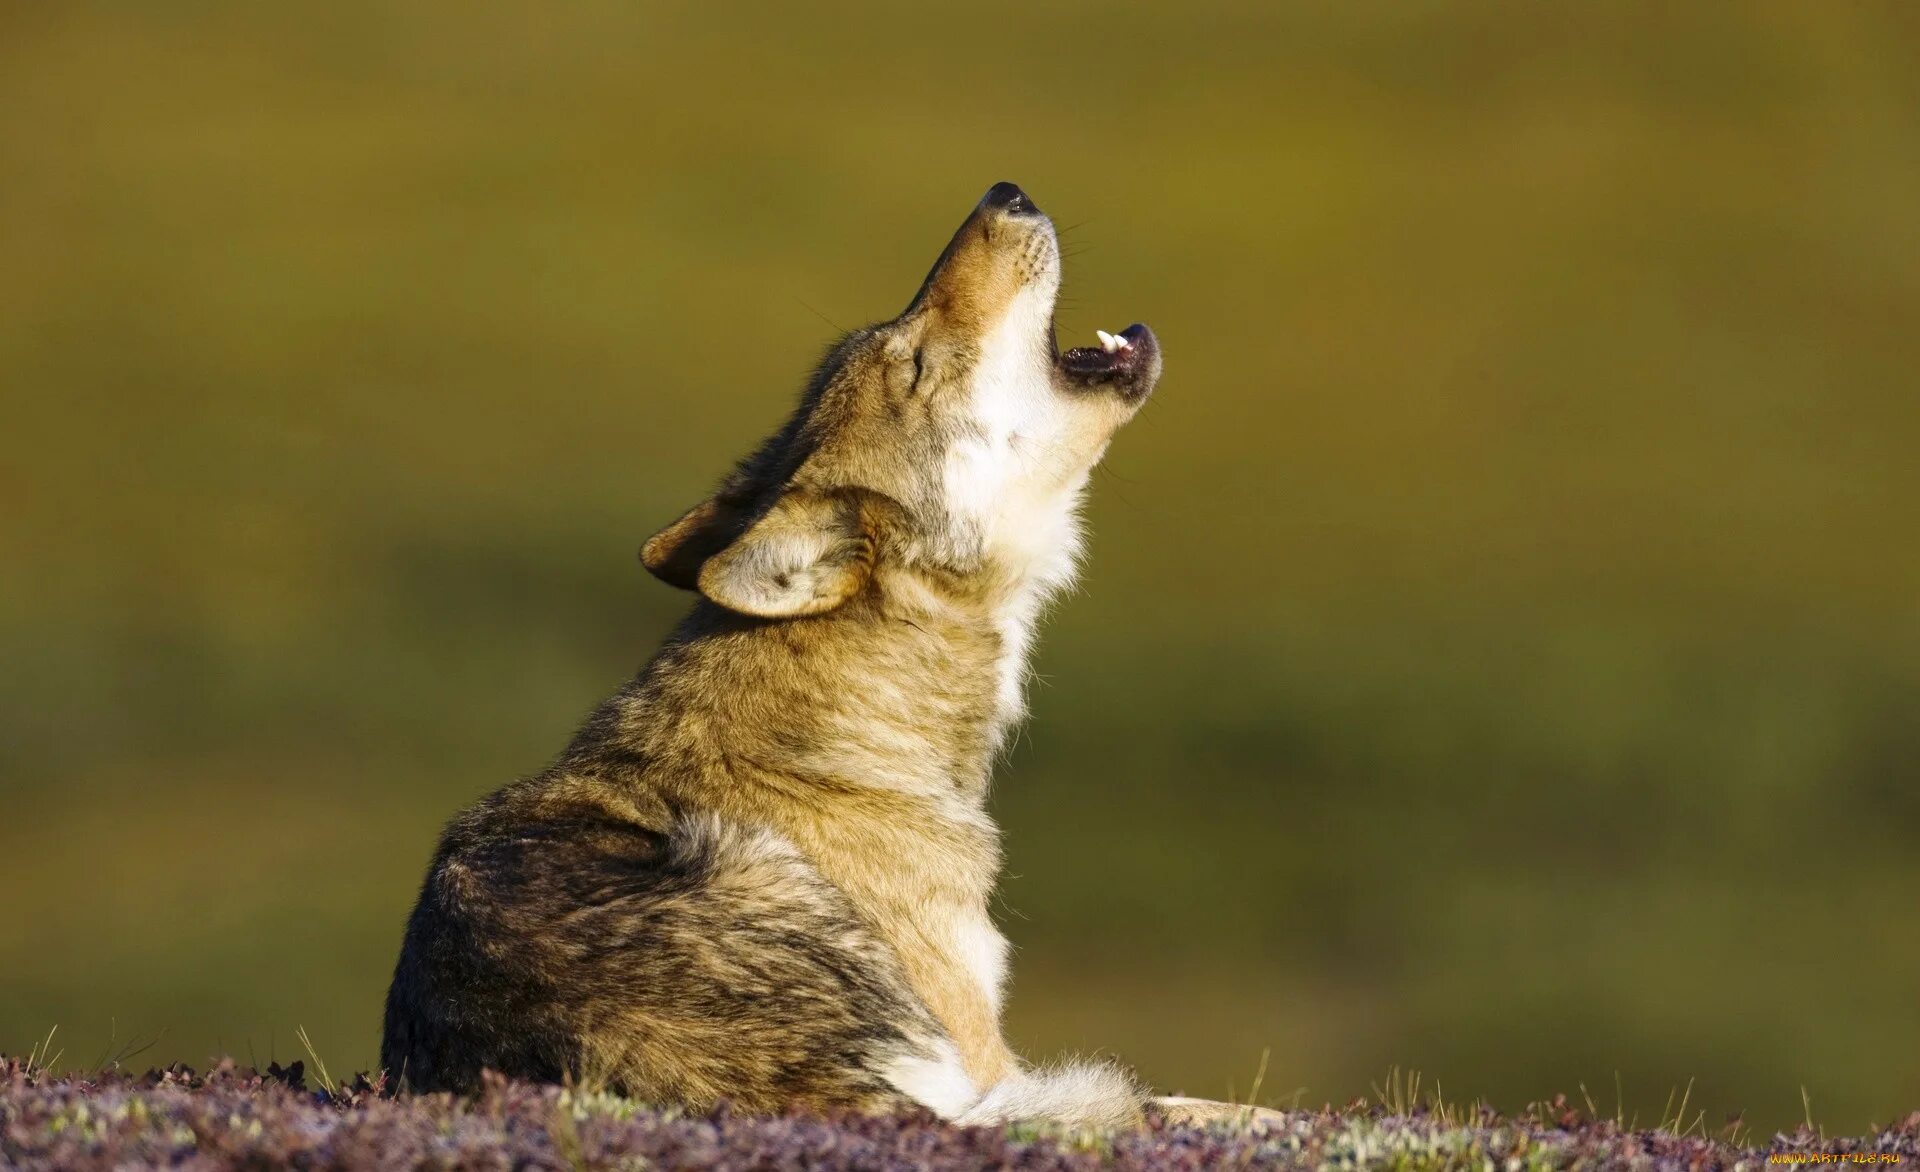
761	871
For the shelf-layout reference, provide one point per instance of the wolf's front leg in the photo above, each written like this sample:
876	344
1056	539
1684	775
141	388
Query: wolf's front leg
1099	1095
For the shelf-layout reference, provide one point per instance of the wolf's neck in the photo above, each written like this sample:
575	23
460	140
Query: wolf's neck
1030	540
854	699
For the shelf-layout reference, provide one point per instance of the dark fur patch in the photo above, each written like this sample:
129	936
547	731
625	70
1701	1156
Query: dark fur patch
681	964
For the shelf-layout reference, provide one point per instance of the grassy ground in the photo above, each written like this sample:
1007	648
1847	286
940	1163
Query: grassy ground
235	1118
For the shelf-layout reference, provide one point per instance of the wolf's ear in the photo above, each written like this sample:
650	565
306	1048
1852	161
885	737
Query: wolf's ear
806	555
675	554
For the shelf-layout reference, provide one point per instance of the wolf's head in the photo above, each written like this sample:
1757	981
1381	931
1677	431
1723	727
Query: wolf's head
937	456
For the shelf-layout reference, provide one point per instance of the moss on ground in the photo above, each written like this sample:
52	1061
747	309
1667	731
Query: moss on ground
233	1118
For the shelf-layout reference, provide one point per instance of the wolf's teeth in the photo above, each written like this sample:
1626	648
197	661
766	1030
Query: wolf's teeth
1108	341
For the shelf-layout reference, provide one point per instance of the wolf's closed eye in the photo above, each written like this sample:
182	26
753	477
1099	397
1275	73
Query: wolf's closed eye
902	368
903	373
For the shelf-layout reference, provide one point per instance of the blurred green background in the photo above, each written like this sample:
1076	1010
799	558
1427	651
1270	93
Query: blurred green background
1500	652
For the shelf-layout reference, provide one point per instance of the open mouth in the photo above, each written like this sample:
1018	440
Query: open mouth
1127	362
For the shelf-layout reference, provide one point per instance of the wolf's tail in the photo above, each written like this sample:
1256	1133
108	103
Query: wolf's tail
1080	1094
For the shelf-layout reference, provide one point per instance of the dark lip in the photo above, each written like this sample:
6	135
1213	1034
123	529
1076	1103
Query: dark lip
1130	370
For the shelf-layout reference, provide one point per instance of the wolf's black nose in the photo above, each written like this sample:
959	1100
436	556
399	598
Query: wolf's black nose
1009	198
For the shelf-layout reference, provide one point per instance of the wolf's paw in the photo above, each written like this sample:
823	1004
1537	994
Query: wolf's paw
1185	1112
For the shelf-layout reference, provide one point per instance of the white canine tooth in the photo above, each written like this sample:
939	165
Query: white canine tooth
1107	341
1124	342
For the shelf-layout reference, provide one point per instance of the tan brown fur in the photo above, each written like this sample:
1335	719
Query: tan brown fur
761	872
